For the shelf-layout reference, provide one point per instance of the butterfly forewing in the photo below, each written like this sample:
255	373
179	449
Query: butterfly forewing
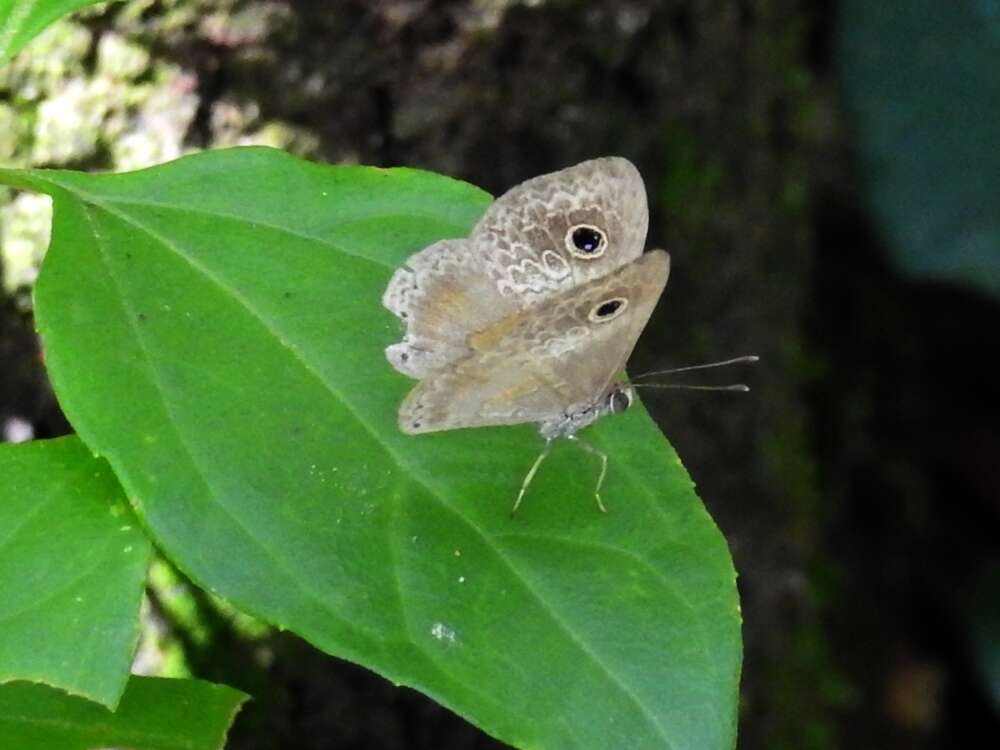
616	309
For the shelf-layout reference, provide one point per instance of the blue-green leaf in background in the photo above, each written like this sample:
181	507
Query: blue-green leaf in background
920	77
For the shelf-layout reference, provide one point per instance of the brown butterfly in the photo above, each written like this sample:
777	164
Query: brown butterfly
532	317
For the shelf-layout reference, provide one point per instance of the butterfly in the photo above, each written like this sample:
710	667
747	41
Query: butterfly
532	317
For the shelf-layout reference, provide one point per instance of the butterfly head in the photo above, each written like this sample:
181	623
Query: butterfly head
619	399
614	401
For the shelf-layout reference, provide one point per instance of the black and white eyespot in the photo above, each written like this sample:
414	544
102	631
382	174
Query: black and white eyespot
607	310
619	400
586	241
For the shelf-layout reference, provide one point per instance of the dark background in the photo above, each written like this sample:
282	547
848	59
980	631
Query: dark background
857	483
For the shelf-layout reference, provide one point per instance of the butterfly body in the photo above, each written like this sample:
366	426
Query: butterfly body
533	316
617	399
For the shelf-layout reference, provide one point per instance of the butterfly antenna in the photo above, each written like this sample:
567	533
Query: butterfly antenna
735	361
737	387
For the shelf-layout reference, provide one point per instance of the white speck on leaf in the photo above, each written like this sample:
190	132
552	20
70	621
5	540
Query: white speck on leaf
443	633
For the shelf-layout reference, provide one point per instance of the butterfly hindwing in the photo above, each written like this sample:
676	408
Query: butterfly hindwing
545	361
441	294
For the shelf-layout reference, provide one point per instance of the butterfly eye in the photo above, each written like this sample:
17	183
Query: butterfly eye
608	310
619	400
586	241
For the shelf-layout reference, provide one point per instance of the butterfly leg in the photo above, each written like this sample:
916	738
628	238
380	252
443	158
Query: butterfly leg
531	475
604	468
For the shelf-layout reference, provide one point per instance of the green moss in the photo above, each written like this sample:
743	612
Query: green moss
10	134
24	235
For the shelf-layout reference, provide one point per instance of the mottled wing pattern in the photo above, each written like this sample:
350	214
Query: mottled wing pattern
442	293
522	236
543	362
515	257
591	367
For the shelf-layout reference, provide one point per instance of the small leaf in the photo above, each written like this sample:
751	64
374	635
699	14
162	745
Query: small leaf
154	714
73	562
22	20
214	327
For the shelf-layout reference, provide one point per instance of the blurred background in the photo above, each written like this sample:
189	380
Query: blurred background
826	177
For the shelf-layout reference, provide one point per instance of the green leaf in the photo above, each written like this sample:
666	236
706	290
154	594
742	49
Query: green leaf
214	327
73	562
919	77
154	714
22	20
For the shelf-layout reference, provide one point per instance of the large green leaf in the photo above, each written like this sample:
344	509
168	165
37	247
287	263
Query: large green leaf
154	714
920	79
73	563
214	328
22	20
